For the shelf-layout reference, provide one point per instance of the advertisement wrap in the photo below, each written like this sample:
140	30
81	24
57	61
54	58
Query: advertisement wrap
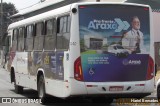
114	42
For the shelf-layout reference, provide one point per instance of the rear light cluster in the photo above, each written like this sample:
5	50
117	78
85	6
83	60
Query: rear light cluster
78	73
150	71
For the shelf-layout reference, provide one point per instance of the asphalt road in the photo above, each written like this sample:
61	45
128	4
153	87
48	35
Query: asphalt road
7	90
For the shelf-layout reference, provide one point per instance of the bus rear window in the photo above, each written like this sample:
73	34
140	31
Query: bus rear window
102	26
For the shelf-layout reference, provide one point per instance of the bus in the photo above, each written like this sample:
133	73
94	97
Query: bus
64	52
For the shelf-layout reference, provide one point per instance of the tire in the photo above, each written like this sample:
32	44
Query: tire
41	89
158	93
18	89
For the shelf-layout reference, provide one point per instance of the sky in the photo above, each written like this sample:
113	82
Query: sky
21	4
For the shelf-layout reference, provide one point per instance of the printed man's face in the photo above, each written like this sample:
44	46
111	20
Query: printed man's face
136	24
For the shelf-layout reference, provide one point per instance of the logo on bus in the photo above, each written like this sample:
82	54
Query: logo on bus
91	71
131	62
117	24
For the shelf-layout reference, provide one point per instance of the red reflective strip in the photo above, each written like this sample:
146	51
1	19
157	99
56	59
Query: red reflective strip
140	85
82	7
89	85
66	80
92	86
146	9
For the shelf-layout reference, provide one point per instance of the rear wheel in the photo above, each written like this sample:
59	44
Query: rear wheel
41	89
158	93
18	89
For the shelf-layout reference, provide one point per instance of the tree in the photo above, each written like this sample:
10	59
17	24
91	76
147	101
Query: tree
8	10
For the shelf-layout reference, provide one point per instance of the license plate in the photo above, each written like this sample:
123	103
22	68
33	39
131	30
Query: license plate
116	88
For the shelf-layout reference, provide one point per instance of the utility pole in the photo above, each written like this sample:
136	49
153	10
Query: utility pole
1	47
1	17
1	24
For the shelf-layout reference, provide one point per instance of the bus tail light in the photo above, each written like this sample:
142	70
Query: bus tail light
150	70
78	73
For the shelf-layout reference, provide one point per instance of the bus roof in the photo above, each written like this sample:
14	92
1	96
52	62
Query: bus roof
58	11
40	17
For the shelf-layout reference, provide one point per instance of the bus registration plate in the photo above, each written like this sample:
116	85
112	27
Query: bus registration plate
116	88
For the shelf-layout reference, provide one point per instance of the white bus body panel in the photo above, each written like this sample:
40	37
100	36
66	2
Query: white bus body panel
70	86
22	62
148	84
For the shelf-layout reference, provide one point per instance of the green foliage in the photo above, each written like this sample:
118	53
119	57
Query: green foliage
8	10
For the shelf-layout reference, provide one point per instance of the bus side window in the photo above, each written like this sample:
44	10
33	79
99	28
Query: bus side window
50	37
14	39
29	38
63	32
39	38
21	39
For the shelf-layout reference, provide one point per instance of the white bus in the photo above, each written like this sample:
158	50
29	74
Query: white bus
48	52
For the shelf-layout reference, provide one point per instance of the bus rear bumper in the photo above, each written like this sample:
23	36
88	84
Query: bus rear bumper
128	89
115	96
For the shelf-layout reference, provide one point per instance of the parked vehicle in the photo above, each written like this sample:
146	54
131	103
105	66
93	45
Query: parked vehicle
118	50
